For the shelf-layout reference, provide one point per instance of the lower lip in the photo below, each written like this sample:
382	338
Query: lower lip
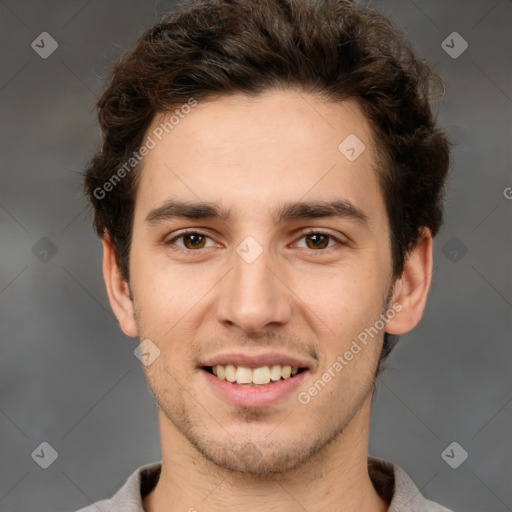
253	396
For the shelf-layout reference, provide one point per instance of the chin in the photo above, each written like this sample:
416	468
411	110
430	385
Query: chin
248	459
258	458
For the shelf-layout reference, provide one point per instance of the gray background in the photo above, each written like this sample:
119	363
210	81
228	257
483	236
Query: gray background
68	376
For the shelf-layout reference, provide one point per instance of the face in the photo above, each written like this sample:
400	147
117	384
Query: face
258	244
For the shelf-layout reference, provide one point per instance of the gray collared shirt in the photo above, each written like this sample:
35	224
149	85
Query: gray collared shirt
389	480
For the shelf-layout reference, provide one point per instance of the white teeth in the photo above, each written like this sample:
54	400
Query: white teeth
261	375
258	376
243	375
275	372
230	373
286	371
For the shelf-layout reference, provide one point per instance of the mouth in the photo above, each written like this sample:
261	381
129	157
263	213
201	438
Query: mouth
254	377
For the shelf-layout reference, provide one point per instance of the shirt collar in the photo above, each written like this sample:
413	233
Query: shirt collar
389	480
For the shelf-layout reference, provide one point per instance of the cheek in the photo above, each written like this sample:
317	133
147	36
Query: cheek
168	295
343	300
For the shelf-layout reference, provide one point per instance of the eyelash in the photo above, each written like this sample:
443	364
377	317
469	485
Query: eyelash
306	233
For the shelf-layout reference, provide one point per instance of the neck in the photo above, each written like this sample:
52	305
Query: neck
336	478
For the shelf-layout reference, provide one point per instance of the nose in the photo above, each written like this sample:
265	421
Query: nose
254	298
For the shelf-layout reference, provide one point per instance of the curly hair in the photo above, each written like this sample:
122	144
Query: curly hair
332	49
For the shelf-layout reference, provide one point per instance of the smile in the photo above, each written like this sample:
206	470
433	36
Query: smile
260	376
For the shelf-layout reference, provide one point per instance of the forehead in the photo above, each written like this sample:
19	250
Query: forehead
253	152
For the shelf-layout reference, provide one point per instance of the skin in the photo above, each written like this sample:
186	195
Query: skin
251	155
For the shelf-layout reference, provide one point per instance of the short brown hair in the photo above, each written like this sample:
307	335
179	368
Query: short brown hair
333	49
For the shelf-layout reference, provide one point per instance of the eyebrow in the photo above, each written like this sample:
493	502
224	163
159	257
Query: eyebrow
186	210
339	208
290	211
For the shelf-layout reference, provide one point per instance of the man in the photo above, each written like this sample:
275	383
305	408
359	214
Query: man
270	181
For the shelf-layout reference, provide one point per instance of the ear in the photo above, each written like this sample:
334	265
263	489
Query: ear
118	291
411	288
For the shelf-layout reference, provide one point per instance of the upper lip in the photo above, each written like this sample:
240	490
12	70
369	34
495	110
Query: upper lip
256	360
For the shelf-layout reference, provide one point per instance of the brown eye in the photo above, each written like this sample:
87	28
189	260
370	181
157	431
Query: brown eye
193	241
317	241
190	241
